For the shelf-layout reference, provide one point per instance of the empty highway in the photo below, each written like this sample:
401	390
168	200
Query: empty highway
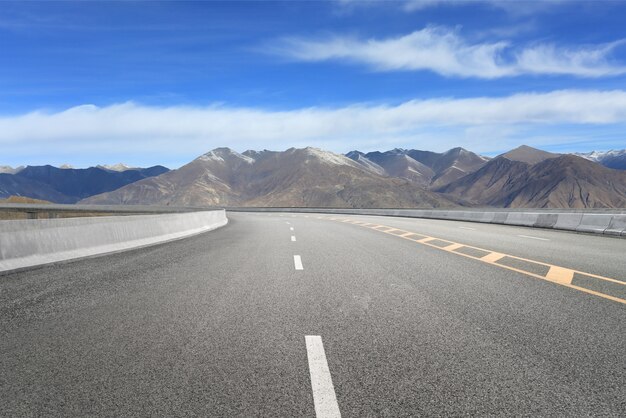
303	315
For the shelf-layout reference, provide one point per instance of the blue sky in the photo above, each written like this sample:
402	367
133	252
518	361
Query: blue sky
151	82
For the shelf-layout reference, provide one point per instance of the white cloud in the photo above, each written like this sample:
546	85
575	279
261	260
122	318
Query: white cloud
445	52
512	6
584	62
129	130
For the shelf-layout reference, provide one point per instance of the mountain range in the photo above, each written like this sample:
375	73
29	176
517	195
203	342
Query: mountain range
310	177
528	178
69	185
426	168
295	177
612	159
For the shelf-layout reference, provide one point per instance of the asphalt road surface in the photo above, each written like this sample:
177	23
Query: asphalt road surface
284	315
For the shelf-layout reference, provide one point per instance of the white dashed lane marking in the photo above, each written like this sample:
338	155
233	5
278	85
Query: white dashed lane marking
324	396
297	262
528	236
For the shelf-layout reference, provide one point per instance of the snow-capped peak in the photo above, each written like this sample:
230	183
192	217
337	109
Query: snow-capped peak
218	154
7	169
329	157
598	156
117	167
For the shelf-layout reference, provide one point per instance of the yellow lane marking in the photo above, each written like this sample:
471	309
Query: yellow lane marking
560	275
492	257
556	274
453	247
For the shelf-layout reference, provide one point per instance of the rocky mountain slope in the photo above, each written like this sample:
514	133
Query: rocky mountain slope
528	155
564	181
426	168
295	177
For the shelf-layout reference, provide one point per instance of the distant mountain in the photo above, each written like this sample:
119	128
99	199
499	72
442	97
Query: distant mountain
426	168
306	177
565	181
367	164
13	185
454	164
397	163
71	184
117	167
309	177
528	155
10	170
615	159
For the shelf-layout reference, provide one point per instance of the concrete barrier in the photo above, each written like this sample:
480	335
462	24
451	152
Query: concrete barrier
608	222
546	220
27	243
521	219
595	223
499	218
617	226
568	221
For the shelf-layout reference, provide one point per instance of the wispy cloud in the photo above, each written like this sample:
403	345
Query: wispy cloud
511	6
446	52
130	129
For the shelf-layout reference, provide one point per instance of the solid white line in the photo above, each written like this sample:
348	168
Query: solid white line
527	236
469	229
293	237
297	261
291	228
324	396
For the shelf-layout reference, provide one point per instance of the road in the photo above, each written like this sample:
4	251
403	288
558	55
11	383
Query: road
286	315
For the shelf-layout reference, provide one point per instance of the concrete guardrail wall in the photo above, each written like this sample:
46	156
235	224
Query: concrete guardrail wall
607	223
27	243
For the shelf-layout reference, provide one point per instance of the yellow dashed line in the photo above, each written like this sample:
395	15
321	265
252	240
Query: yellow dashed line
559	275
453	247
492	257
